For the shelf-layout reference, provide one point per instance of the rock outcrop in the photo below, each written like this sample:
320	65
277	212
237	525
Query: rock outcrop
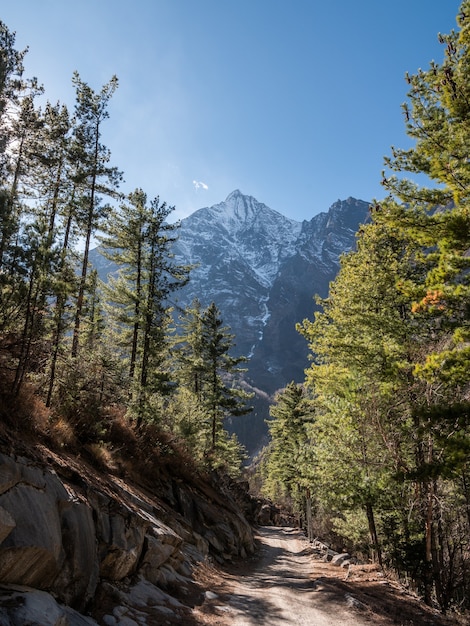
262	270
76	551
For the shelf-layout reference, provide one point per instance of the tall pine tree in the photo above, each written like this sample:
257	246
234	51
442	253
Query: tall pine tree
139	240
94	177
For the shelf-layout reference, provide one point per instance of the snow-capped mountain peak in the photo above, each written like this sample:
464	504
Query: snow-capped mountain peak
263	270
239	228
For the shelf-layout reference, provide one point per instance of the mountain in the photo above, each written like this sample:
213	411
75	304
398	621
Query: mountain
263	271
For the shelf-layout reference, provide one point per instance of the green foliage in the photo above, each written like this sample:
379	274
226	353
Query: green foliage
139	240
390	358
289	457
84	345
221	396
208	375
93	177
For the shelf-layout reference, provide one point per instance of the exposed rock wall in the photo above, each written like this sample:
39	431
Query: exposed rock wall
63	543
263	270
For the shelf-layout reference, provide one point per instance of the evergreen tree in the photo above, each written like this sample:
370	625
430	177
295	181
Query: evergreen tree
289	463
190	350
360	375
94	178
438	117
139	240
438	217
12	85
24	127
207	385
221	397
50	189
391	346
124	244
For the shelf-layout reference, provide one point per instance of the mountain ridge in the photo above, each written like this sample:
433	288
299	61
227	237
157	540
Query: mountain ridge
263	271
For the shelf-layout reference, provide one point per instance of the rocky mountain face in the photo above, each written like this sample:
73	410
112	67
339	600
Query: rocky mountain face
263	271
80	547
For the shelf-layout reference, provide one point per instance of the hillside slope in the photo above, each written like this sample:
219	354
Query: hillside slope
91	536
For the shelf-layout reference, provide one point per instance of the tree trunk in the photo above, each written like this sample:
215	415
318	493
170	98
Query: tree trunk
59	312
428	533
136	329
89	229
26	335
308	512
376	551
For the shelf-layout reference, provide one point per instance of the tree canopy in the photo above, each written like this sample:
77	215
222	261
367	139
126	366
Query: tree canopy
89	346
389	379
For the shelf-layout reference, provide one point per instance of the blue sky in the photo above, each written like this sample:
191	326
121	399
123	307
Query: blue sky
295	102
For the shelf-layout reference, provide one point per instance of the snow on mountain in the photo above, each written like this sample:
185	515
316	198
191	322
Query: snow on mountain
263	271
242	230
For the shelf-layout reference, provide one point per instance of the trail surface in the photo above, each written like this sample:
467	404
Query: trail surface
281	591
287	584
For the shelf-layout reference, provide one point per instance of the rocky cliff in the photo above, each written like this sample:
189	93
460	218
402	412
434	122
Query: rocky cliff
263	271
80	547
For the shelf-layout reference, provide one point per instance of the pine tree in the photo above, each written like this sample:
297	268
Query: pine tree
24	126
289	464
11	86
438	115
391	347
221	396
94	178
50	189
361	342
208	387
139	240
437	119
124	244
189	352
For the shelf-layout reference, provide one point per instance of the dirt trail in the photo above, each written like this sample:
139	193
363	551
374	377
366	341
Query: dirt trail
286	584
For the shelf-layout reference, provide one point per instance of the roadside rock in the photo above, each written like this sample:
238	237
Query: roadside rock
7	524
65	538
339	559
22	605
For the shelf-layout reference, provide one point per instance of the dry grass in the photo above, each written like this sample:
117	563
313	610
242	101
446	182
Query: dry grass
110	443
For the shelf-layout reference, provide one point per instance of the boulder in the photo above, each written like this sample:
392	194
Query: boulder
77	536
156	554
32	552
22	605
338	559
265	514
79	575
120	535
123	546
51	541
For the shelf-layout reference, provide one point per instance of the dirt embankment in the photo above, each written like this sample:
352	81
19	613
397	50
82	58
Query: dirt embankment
287	583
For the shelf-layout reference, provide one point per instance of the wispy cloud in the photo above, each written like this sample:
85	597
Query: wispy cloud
200	185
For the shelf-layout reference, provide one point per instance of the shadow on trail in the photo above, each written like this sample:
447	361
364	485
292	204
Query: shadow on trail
273	571
256	611
285	584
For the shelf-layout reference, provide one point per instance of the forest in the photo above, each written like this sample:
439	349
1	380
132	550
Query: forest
372	449
89	350
374	446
